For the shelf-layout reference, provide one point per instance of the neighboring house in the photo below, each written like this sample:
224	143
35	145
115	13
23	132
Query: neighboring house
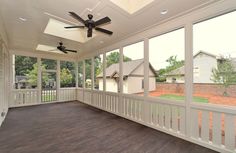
203	63
21	82
133	76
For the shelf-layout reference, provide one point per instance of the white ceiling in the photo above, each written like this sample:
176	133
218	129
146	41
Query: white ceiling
27	35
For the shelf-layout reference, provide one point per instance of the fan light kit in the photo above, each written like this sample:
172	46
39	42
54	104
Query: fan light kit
22	19
63	49
90	24
163	12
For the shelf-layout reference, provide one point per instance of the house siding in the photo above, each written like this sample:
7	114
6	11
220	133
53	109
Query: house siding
133	84
205	64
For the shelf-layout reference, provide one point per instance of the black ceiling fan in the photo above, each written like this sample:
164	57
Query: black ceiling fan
91	24
63	49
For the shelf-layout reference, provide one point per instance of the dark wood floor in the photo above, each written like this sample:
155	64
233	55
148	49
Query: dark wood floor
77	128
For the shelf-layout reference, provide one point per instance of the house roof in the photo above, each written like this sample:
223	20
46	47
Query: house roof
21	78
128	68
204	52
178	71
181	70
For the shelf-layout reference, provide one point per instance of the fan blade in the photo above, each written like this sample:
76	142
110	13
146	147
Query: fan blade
69	50
64	51
90	33
74	27
102	21
77	17
104	31
53	49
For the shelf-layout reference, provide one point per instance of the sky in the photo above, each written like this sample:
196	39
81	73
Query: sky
216	36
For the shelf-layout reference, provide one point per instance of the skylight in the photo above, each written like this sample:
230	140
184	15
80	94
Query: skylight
56	28
47	48
131	6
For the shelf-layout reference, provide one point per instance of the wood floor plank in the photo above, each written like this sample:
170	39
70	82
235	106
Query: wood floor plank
78	128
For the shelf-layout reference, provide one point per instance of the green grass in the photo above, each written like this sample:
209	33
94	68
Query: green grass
48	98
181	98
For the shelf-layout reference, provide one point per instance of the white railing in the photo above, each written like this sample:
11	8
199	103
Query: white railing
87	96
67	94
25	97
212	126
49	95
21	97
80	94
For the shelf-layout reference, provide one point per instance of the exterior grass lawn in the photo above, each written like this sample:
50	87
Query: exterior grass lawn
48	98
181	98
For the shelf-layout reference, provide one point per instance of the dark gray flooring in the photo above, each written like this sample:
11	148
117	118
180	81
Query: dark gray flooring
77	128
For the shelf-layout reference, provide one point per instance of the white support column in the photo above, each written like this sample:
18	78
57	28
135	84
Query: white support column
92	73
12	76
92	80
83	79
104	72
84	74
121	71
121	82
39	81
76	79
104	80
146	79
146	67
76	74
188	75
58	80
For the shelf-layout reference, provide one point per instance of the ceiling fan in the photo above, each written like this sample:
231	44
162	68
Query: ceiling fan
63	49
91	24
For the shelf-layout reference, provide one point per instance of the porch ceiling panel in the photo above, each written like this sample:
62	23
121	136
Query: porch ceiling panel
26	35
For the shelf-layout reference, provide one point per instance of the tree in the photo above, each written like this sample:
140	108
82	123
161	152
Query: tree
32	75
114	57
66	68
174	63
66	78
224	74
24	64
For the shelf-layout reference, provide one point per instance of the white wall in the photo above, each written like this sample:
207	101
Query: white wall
133	84
111	85
4	74
205	64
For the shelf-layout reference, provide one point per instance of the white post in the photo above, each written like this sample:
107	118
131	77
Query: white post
39	81
188	76
146	67
83	75
146	79
121	82
58	80
92	73
83	86
104	72
104	81
76	74
12	77
76	79
92	79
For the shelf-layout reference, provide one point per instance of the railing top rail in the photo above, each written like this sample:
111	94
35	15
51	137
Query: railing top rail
68	88
98	91
23	90
215	108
